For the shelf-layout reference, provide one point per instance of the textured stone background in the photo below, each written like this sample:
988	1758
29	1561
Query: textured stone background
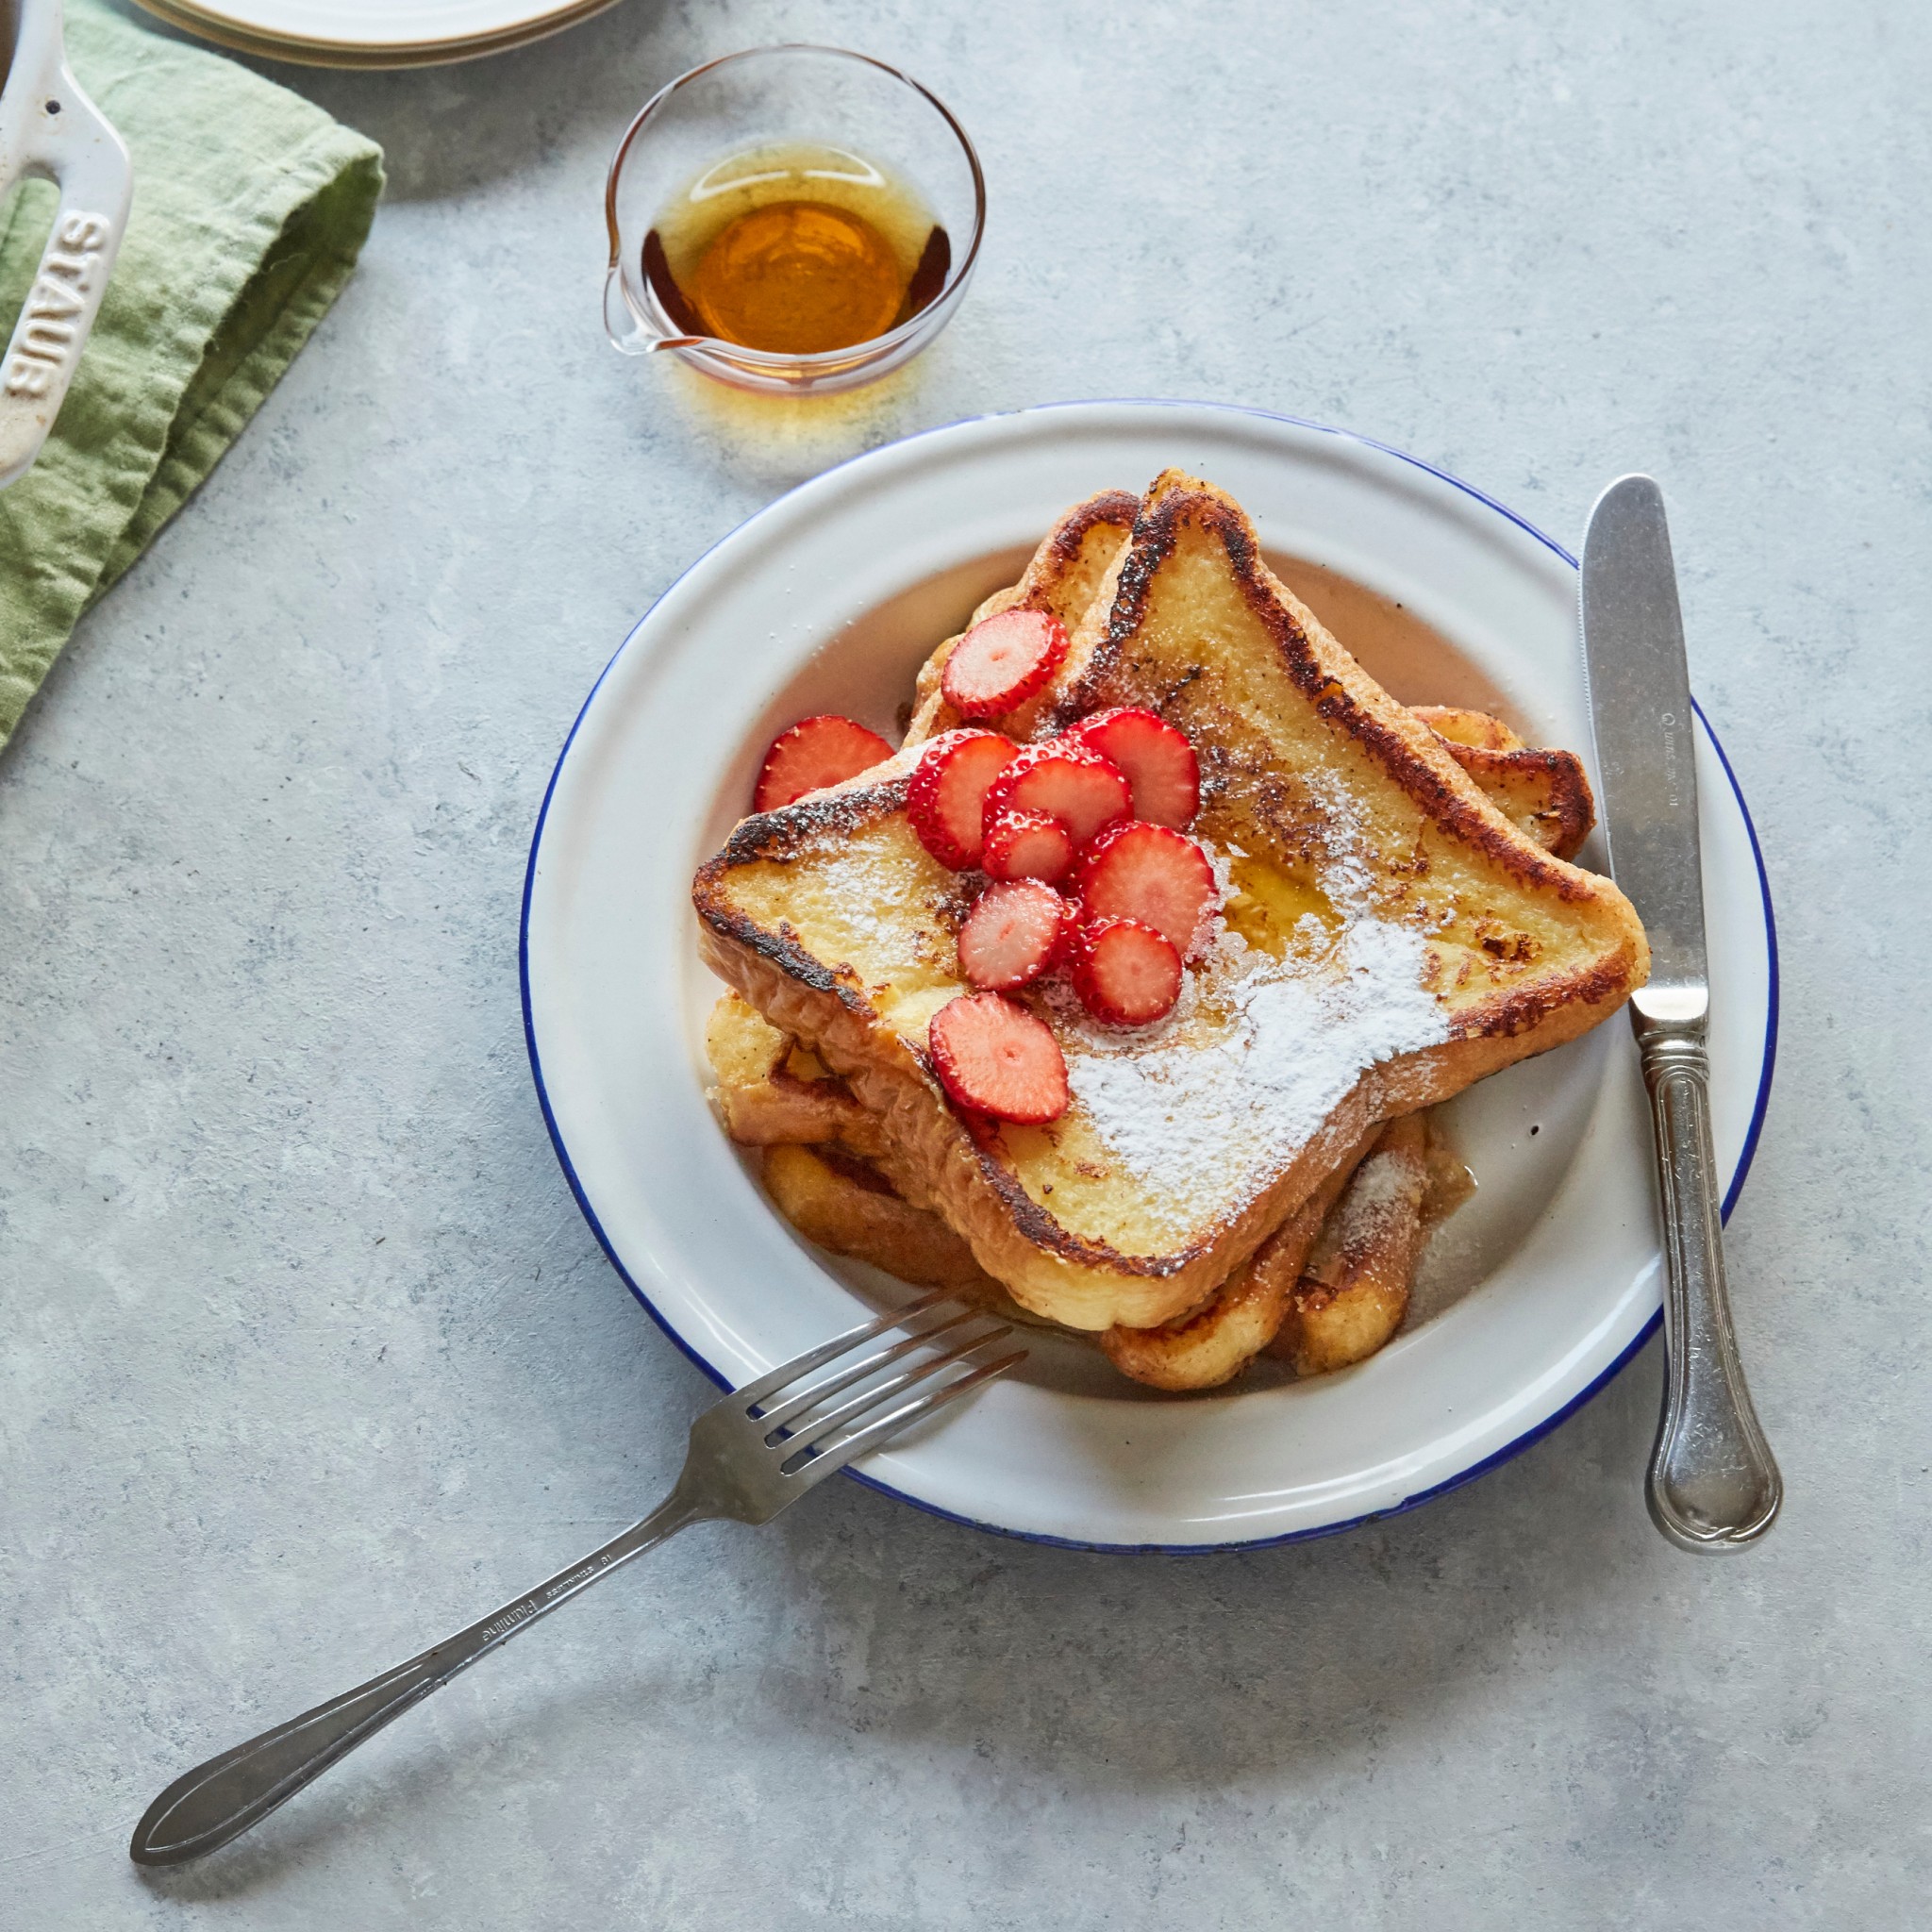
309	1355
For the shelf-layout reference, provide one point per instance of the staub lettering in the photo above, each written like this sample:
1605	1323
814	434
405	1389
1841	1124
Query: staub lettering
44	343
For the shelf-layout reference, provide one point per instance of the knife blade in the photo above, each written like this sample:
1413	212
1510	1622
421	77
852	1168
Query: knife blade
1712	1484
1640	703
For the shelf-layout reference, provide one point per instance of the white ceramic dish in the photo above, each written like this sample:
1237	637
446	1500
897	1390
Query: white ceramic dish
1540	1288
374	33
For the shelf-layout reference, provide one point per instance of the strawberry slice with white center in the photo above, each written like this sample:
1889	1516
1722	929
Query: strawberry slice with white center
814	753
1027	845
1125	971
1065	781
1001	663
945	797
1158	761
1014	933
1152	873
993	1056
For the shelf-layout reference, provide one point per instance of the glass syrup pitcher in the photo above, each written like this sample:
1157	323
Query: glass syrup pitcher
790	220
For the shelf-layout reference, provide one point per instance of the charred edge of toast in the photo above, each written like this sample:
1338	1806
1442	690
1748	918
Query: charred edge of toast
1157	535
1571	802
1062	550
1524	1008
779	838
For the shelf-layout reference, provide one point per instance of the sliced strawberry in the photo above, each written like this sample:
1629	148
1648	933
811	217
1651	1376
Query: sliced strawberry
1066	782
1159	762
1027	845
1126	973
815	753
1001	663
1152	873
1014	932
946	796
993	1056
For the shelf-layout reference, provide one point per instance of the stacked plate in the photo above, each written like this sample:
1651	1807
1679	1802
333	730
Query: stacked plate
372	33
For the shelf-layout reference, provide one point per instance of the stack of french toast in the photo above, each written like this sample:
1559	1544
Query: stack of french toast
1118	994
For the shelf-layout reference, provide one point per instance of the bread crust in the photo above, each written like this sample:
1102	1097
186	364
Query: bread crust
1544	793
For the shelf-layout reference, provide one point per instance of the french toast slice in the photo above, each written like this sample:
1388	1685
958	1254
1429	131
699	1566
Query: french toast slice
1352	1290
1392	938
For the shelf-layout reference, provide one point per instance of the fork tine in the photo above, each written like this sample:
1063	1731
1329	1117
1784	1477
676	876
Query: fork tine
754	1392
829	1431
840	1450
817	1426
776	1418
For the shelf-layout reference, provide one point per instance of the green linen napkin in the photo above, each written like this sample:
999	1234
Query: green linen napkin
250	206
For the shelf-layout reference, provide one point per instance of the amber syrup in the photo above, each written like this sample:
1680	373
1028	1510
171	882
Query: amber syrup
795	250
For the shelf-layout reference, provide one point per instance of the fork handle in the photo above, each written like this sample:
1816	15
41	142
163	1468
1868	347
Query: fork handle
220	1800
1713	1484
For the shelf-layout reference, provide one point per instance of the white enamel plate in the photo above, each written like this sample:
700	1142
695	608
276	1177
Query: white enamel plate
1532	1295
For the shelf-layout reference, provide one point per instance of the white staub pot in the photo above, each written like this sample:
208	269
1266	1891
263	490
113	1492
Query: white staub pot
49	128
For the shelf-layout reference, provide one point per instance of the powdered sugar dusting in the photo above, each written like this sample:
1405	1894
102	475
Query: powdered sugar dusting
1228	1090
1382	1184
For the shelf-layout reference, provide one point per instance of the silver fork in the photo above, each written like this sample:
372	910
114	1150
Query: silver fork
758	1450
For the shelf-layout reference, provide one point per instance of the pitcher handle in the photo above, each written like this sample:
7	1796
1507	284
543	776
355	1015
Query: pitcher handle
629	330
68	141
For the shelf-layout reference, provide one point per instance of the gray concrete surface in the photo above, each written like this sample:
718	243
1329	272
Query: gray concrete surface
308	1353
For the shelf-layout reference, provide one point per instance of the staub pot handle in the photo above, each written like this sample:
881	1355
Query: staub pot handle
49	127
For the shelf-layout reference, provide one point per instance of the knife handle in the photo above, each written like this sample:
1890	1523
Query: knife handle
1712	1484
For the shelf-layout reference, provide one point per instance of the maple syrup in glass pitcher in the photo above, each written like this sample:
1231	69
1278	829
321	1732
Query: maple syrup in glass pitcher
790	220
795	249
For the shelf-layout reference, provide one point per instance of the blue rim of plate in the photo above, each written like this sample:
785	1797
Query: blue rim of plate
1509	1450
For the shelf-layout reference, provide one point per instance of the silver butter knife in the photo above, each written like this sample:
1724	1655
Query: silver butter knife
1712	1484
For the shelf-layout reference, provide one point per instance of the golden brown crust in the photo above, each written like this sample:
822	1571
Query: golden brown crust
784	838
1544	794
1354	1293
840	1204
1460	725
1063	579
